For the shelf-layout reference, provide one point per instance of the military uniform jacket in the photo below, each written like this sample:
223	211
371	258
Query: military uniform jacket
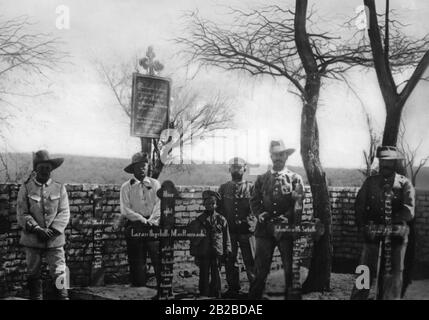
235	205
46	206
273	194
217	242
369	205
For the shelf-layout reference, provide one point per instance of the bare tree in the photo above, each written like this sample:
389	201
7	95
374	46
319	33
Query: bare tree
13	169
394	54
192	115
370	154
24	54
410	153
274	41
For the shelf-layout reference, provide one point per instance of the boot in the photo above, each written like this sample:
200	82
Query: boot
35	289
61	294
59	288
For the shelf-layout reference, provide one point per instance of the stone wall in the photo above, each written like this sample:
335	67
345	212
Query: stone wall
86	240
422	227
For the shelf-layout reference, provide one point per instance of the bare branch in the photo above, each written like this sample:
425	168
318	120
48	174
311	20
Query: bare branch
259	44
410	154
191	114
415	77
24	54
25	50
121	89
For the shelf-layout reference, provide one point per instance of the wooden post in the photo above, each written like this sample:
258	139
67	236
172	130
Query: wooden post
146	145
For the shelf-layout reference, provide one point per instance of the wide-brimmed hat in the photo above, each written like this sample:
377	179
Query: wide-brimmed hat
210	193
277	146
389	153
136	158
42	156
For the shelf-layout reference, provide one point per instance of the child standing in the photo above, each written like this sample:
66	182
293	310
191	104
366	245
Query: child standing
214	248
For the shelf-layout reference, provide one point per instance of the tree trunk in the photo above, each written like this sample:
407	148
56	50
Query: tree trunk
319	275
394	103
391	127
393	100
146	145
320	268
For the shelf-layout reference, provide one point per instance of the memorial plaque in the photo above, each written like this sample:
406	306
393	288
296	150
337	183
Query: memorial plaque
167	233
168	195
97	268
150	105
314	229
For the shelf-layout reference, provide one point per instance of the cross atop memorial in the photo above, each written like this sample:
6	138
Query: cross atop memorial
150	104
149	63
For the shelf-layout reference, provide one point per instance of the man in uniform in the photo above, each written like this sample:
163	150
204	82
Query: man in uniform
141	209
235	207
273	203
43	214
370	210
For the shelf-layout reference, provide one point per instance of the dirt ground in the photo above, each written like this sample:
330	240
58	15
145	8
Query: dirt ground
418	290
186	287
341	286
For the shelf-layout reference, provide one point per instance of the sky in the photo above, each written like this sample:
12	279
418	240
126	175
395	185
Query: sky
80	115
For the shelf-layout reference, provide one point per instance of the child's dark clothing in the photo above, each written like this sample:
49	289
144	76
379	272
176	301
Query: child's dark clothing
210	251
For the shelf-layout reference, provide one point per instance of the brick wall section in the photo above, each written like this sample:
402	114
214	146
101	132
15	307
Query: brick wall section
80	238
422	226
346	240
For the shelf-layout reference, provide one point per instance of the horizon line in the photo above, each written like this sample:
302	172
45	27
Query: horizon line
195	162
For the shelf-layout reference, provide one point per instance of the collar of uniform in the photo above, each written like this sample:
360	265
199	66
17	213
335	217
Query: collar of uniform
40	184
394	179
283	171
210	213
146	182
238	182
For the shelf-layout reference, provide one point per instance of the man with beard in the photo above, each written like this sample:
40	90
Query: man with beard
372	210
141	209
43	214
235	207
273	203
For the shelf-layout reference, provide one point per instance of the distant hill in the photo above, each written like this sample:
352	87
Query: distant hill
75	169
83	169
215	174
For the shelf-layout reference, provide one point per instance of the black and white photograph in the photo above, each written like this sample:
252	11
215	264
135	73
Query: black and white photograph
208	156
